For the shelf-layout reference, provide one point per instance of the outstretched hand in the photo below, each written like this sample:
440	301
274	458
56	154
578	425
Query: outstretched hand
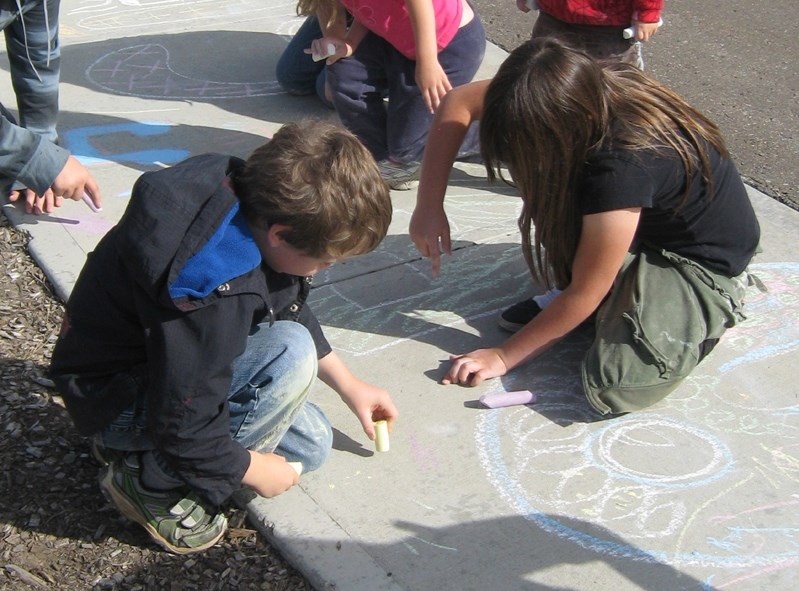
429	231
474	368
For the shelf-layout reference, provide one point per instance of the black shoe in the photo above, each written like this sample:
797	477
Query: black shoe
518	315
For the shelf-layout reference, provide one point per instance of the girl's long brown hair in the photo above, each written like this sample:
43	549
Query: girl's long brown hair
548	110
328	9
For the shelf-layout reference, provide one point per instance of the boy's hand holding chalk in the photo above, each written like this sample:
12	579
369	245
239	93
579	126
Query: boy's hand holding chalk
381	436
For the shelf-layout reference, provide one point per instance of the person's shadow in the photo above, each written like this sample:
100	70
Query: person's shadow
233	70
385	298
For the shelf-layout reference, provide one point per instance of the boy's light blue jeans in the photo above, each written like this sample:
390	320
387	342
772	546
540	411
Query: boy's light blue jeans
267	403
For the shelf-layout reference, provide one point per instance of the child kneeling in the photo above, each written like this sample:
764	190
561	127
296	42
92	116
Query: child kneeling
187	350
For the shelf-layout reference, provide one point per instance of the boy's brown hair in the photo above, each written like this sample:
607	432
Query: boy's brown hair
320	181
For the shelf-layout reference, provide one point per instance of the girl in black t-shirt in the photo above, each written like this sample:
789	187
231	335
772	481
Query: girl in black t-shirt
604	159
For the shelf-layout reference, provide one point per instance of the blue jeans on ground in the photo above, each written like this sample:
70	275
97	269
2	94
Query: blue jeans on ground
296	71
397	129
34	55
267	404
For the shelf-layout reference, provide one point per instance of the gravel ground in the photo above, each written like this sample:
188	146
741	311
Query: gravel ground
57	531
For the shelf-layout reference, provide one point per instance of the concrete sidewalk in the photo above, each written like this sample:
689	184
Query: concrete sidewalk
699	492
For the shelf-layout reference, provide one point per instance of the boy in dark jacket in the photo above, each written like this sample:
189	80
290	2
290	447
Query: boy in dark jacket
187	351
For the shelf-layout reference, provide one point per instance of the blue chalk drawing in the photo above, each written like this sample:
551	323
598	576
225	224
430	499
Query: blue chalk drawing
79	143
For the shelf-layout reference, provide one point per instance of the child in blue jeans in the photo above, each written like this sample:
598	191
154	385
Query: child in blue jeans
187	351
296	71
411	52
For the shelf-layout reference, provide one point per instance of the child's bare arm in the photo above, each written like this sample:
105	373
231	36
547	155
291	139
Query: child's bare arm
430	76
429	228
604	242
330	25
369	403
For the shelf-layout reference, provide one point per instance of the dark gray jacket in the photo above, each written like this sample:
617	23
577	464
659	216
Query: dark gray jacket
162	308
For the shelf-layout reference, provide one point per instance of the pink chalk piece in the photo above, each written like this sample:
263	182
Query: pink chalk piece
88	201
501	399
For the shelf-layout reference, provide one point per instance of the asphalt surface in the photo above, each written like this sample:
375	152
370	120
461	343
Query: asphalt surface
735	61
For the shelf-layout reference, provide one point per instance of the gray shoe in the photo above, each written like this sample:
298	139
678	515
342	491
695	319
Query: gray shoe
400	177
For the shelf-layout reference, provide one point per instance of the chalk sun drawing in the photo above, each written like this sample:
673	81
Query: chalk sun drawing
671	480
144	71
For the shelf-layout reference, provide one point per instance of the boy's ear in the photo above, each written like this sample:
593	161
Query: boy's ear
275	234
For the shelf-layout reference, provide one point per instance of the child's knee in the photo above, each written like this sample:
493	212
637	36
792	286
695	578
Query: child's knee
297	360
318	454
310	438
624	378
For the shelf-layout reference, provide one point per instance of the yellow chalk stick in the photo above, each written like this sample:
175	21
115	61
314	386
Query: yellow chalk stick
381	436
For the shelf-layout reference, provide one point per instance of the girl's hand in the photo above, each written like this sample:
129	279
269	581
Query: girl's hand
432	82
320	48
474	368
269	474
429	230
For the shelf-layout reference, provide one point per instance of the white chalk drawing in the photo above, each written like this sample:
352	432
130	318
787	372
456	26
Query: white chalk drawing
691	483
144	71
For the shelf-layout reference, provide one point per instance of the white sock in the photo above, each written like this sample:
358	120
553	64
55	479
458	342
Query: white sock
546	298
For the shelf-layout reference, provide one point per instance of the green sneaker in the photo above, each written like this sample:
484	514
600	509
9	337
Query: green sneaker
177	521
104	455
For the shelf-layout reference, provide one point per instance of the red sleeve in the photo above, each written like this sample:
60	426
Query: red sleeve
648	10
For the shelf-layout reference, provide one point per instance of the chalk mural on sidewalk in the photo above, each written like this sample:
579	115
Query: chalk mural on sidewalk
633	474
144	71
708	480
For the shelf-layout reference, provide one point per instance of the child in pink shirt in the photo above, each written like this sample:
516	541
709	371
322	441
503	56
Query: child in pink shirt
411	52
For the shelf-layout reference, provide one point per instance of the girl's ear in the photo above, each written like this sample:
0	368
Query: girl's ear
275	234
